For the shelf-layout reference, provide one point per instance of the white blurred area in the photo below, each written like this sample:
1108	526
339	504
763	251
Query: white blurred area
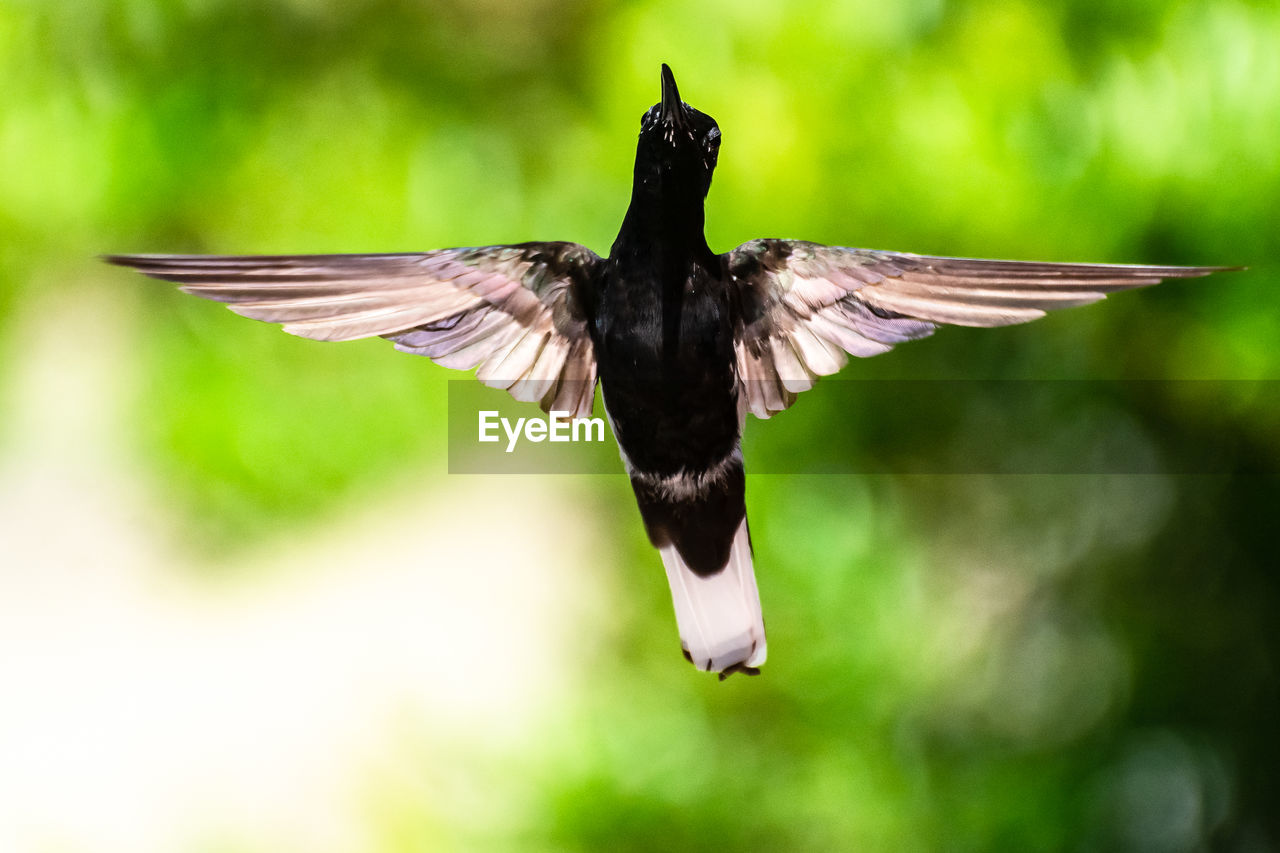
414	646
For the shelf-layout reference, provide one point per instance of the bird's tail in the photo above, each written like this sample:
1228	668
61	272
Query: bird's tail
719	617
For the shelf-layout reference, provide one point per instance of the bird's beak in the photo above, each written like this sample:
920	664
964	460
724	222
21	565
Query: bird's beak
672	107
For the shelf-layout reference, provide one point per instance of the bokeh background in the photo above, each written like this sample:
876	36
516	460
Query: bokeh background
244	607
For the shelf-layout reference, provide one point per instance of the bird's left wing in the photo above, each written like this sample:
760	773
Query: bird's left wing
514	311
806	307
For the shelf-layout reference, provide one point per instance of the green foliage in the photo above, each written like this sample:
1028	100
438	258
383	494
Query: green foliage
969	663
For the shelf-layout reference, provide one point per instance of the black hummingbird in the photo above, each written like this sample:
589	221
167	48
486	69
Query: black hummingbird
683	341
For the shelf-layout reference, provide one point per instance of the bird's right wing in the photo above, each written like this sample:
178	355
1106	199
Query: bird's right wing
806	307
514	311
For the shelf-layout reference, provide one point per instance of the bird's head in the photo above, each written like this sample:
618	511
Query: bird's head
678	144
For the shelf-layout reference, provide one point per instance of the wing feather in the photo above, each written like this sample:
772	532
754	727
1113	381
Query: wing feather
574	389
515	311
805	305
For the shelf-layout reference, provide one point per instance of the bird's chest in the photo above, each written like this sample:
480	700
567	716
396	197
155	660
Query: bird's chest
664	324
664	350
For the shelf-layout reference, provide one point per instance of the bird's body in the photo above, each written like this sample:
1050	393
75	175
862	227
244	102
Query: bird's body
684	342
664	329
663	336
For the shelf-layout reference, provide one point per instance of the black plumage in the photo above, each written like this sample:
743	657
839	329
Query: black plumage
684	342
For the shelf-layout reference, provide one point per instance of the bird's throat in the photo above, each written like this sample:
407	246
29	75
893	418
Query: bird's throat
672	222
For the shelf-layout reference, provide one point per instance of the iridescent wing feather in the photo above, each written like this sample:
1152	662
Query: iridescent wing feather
515	312
806	307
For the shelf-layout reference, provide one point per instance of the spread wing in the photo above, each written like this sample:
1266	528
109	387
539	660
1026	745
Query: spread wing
513	311
806	307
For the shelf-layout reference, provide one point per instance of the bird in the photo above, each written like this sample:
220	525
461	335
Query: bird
683	342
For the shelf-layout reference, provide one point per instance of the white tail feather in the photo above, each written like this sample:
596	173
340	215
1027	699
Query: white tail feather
721	626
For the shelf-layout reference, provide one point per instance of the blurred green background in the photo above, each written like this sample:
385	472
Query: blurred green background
244	608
